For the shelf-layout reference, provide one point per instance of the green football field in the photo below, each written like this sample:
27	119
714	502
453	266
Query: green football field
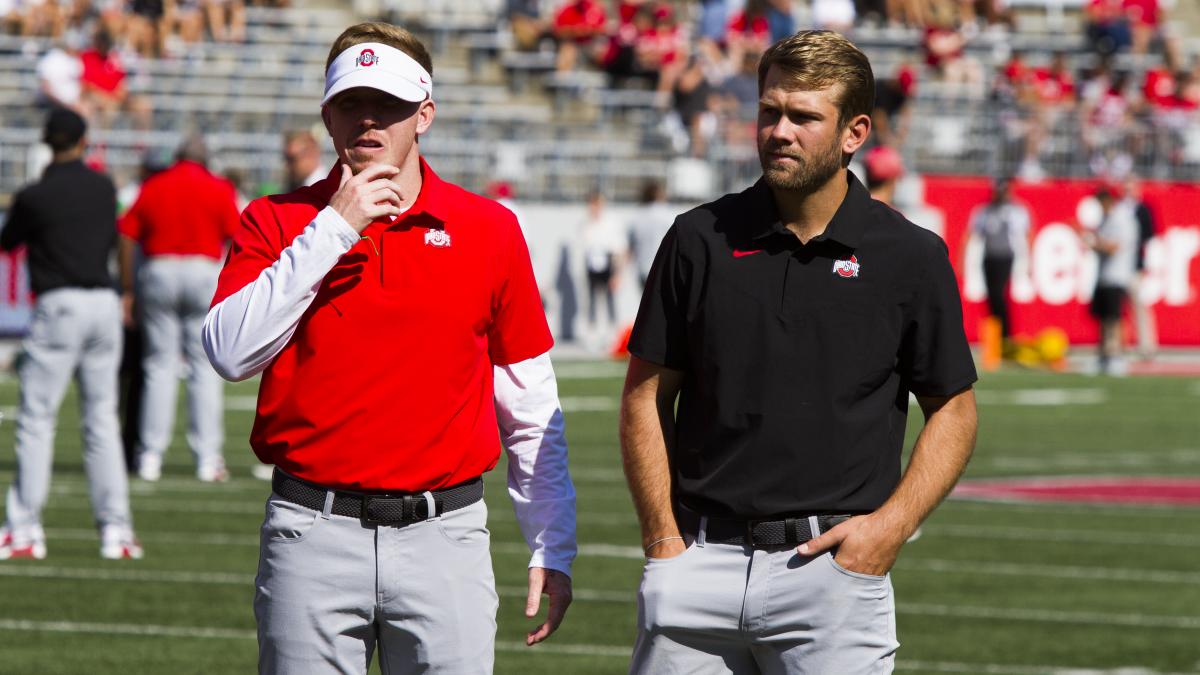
988	588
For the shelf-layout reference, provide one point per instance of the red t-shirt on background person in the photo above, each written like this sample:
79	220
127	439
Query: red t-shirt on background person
1054	87
102	72
1143	12
184	210
580	21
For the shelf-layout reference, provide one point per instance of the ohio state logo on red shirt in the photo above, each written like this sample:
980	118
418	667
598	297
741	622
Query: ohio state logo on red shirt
437	238
367	58
846	268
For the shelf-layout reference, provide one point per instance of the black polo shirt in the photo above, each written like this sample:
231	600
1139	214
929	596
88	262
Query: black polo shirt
798	359
68	221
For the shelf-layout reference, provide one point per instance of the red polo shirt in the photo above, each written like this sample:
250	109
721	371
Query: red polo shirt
387	382
184	210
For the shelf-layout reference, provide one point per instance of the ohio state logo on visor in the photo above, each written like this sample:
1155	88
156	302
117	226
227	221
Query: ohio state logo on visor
846	268
367	58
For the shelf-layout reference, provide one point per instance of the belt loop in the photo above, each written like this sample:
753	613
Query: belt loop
430	505
329	494
814	527
701	532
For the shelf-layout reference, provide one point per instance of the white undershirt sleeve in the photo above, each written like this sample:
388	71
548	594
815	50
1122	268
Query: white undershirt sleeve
245	331
531	429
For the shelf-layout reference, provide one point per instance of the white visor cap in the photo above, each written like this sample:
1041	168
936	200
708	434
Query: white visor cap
378	66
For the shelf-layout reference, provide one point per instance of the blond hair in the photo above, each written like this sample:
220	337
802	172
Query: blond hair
383	33
818	59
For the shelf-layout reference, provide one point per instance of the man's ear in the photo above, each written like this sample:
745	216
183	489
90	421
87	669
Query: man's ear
425	115
856	133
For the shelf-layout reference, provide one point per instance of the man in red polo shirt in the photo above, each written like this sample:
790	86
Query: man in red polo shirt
182	219
396	323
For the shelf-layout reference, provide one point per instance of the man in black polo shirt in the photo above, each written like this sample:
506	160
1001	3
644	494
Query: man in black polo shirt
67	223
792	321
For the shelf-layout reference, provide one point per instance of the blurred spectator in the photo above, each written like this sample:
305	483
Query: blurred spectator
780	19
1002	225
1053	96
226	19
1143	314
749	30
145	27
1107	124
302	160
893	109
884	168
185	19
578	25
604	252
1115	243
835	15
714	15
649	225
1147	21
632	51
104	90
1107	26
526	23
59	74
945	48
38	18
696	102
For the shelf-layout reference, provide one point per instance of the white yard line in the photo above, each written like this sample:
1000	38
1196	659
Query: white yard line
1004	669
1073	536
587	370
556	648
1042	397
1050	616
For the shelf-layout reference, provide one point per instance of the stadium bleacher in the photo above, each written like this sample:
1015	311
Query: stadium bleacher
243	95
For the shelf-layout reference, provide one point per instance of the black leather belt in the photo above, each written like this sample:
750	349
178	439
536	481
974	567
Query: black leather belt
380	508
788	531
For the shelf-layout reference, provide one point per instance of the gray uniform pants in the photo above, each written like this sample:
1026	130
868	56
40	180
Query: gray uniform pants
74	332
722	608
175	292
329	589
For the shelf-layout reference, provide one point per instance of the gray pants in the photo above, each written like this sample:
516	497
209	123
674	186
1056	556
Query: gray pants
74	332
721	608
329	589
175	292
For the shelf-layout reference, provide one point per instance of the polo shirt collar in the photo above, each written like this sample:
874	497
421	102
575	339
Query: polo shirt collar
432	200
846	227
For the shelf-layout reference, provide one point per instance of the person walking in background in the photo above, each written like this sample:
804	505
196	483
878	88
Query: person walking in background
67	222
182	219
396	322
1003	227
648	226
605	246
302	159
1143	314
792	321
1115	242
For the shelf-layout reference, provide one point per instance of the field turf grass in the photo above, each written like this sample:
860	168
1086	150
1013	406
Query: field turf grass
988	588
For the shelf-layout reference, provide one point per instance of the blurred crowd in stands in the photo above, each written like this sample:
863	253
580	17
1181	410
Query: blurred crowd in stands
1122	94
1126	93
150	28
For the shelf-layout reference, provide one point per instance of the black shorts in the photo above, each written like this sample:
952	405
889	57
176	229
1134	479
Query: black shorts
1107	302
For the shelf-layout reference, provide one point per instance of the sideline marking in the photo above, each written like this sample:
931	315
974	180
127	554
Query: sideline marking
1086	489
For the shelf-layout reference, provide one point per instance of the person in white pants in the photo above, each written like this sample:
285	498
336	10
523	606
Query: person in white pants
67	222
182	219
